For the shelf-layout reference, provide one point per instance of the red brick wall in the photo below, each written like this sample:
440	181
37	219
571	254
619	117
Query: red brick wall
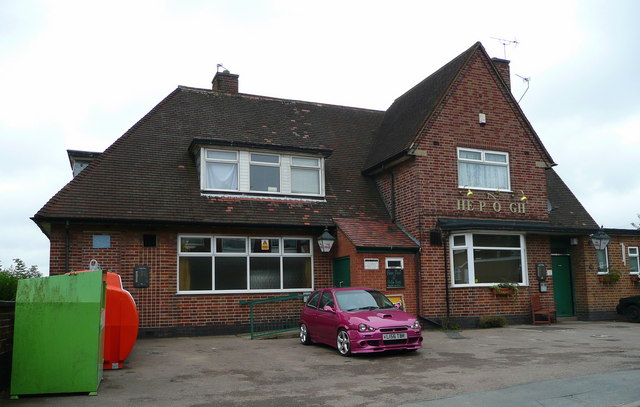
377	279
595	299
159	305
425	188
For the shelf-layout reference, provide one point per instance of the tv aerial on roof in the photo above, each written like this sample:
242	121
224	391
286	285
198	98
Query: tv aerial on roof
527	79
224	70
506	42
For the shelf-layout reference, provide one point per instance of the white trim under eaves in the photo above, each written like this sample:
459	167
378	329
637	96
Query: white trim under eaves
264	197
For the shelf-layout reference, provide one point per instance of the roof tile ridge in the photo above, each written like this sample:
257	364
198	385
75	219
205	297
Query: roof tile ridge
275	99
468	50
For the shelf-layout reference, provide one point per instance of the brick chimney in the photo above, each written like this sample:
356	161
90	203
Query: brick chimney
225	82
502	65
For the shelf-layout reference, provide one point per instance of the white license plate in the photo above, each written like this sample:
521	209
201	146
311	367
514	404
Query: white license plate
394	336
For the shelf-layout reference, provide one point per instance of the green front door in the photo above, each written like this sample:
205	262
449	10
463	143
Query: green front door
562	285
341	272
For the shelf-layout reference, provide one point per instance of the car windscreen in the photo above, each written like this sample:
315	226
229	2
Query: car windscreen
358	300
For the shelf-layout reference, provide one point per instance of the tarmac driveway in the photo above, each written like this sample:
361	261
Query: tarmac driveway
236	371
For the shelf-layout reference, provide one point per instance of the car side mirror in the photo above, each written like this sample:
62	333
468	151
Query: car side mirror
328	309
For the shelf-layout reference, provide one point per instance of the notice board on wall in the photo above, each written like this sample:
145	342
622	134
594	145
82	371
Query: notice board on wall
395	278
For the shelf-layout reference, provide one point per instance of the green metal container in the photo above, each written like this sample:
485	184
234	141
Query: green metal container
59	334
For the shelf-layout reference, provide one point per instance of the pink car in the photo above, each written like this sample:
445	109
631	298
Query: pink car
357	320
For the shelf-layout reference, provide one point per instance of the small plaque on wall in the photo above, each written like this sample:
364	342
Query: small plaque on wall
371	264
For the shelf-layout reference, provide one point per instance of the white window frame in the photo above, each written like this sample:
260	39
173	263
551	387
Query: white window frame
634	257
483	161
606	256
469	247
205	160
213	253
388	259
266	164
244	163
317	168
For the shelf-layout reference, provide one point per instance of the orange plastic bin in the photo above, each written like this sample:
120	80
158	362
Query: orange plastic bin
121	322
121	325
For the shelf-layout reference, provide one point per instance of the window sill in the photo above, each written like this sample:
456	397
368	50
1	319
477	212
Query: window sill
266	196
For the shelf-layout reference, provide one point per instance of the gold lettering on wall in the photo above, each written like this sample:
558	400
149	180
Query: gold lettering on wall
495	206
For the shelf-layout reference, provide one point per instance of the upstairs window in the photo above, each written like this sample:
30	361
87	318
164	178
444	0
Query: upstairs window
262	173
221	169
483	169
305	175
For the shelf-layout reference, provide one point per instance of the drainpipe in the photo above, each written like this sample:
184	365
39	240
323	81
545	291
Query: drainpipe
445	238
67	245
393	197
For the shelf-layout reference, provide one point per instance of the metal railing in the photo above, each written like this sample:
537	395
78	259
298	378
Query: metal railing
283	320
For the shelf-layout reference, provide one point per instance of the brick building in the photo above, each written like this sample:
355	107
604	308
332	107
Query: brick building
219	197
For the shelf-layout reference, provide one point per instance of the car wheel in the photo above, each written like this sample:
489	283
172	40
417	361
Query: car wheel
305	339
343	343
632	313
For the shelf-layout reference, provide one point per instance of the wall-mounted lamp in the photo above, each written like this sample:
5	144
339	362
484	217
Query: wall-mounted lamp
469	192
600	240
325	241
523	198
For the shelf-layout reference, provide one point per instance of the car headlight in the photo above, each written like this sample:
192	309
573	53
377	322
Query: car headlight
365	327
416	324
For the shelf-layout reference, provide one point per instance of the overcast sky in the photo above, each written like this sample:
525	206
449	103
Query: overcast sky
78	74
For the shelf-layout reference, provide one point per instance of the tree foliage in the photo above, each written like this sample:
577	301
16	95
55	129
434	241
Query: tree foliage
9	278
20	270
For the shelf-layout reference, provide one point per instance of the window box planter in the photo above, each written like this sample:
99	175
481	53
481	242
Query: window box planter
505	290
502	291
634	278
610	278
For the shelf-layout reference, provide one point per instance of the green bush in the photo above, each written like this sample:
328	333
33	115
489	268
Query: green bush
492	322
8	286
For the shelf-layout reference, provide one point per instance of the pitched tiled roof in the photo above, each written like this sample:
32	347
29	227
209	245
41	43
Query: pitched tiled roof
148	174
406	116
566	210
375	233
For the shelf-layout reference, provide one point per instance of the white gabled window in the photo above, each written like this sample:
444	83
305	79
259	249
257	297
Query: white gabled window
264	172
634	261
261	172
305	175
483	169
221	170
486	259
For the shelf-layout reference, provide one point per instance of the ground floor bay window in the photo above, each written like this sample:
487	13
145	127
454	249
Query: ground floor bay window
483	259
239	264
